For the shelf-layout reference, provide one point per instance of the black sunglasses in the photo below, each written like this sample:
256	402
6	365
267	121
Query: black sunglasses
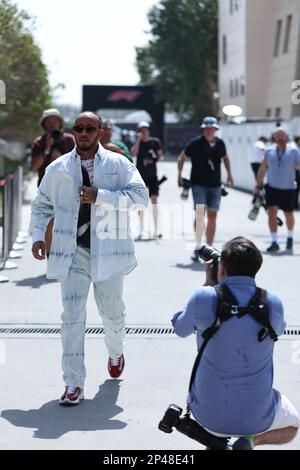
89	129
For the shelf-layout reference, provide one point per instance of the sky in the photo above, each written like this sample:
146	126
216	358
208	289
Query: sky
89	42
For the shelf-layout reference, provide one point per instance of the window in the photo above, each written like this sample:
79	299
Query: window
242	86
268	112
277	38
231	88
236	5
224	49
237	86
231	6
277	112
287	34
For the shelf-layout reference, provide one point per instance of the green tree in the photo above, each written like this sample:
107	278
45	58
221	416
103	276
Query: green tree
181	57
24	73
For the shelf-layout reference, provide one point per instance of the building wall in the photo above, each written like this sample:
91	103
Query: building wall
232	26
251	33
259	42
283	68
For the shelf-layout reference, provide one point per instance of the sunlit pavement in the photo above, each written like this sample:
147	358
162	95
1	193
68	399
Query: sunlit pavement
124	414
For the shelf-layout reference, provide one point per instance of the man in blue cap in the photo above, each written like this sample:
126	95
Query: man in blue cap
206	153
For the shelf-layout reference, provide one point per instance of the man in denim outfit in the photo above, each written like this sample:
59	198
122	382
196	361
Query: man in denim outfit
88	192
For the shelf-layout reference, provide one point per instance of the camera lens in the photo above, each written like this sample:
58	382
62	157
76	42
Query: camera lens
207	253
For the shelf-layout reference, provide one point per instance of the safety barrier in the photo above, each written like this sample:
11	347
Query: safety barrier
10	217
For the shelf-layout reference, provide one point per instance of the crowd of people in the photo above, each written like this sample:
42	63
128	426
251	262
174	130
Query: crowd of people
87	174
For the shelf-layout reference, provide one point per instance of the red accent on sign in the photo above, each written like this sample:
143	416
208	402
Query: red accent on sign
124	95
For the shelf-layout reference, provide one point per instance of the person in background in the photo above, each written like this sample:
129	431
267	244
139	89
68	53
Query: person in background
148	151
126	139
257	154
206	152
280	164
297	143
115	145
46	148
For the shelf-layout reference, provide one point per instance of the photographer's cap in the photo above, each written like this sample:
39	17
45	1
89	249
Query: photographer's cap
143	124
209	122
49	113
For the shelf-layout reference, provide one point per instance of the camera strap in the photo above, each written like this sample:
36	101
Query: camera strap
228	307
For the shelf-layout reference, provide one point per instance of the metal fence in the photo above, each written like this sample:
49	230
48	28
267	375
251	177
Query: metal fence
10	212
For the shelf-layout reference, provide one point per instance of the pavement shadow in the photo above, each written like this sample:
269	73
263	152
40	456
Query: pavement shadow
34	282
52	421
278	254
192	266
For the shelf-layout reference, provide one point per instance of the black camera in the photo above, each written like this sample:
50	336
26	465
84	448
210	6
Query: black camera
186	187
224	191
58	141
162	180
186	425
208	253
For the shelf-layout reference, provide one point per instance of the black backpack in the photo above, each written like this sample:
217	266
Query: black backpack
228	307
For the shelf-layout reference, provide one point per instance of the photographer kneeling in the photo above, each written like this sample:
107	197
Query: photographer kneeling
231	392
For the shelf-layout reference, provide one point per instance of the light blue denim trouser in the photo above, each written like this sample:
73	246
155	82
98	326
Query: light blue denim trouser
108	296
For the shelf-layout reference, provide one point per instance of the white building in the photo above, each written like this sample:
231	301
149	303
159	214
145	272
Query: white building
259	56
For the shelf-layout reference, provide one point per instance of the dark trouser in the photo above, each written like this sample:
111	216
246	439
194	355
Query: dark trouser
255	168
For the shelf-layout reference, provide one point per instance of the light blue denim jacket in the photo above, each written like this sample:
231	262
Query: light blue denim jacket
120	188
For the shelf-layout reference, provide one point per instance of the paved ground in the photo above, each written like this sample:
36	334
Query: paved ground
124	414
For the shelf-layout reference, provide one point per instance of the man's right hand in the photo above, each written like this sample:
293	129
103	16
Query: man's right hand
39	250
256	191
209	274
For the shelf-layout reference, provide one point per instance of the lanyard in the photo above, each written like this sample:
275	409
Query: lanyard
280	156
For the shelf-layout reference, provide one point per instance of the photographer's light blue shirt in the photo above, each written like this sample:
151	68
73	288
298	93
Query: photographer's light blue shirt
233	389
281	167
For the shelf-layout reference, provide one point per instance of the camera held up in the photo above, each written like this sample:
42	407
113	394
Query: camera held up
209	253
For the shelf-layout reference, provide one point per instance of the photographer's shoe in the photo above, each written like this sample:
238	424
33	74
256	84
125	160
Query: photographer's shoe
71	396
289	243
244	443
116	366
273	248
195	256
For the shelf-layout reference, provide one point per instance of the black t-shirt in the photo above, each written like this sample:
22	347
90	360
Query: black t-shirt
206	161
148	150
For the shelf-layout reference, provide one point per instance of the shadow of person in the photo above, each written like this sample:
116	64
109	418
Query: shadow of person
34	282
192	266
52	421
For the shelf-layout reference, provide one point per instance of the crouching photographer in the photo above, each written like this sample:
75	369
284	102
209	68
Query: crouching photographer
231	390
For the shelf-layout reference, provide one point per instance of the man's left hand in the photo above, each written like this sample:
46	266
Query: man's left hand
230	181
88	195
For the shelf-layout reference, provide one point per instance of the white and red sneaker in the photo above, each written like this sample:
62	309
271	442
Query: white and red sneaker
116	366
71	396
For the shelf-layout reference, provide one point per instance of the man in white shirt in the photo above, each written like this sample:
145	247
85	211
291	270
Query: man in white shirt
257	154
88	192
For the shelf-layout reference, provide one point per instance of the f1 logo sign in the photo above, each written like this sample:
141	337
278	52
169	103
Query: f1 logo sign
124	95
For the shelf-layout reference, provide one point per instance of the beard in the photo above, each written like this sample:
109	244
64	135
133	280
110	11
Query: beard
84	146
